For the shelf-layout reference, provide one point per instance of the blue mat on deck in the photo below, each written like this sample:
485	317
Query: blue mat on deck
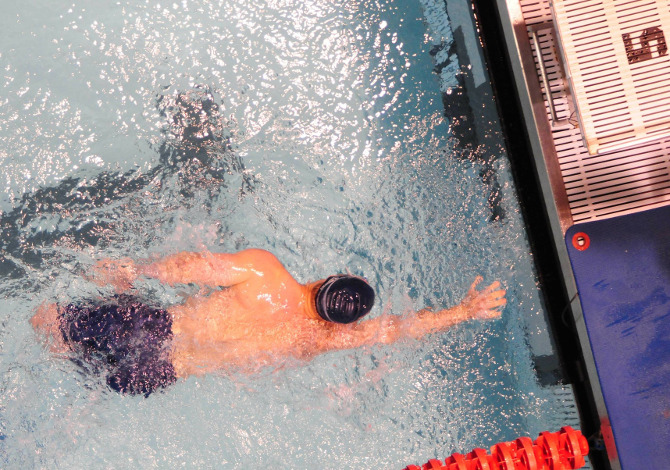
623	276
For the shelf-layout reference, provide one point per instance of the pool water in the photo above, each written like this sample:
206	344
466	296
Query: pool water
314	129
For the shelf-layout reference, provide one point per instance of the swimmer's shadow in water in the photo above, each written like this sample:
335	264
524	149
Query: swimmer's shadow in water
196	152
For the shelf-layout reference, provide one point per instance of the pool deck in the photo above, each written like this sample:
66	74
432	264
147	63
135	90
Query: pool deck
622	268
606	214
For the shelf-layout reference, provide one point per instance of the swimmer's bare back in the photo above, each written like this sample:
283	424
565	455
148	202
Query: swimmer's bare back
263	315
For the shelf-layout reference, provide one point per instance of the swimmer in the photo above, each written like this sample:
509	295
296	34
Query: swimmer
256	315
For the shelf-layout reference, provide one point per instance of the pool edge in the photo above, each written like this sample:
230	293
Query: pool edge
545	215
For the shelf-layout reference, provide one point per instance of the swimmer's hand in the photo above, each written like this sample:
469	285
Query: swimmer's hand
484	304
120	274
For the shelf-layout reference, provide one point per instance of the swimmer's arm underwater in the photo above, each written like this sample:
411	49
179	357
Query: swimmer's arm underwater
478	304
203	268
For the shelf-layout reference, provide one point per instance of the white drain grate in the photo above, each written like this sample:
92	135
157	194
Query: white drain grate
617	60
634	178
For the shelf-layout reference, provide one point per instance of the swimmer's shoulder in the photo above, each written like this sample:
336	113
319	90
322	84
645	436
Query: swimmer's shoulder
257	257
261	266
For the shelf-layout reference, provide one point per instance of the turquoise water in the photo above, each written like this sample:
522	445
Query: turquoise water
312	129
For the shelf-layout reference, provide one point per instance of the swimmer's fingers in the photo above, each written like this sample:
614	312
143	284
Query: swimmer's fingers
473	288
101	272
496	301
493	287
98	274
495	295
490	302
119	273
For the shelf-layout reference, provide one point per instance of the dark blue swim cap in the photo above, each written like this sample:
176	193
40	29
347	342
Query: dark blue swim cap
344	298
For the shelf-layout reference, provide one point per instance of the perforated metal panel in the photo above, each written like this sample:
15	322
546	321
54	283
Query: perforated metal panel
617	61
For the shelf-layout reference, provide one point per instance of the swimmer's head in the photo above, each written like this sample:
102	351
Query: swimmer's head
344	298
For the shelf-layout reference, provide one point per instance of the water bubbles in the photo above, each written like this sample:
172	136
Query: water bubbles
314	129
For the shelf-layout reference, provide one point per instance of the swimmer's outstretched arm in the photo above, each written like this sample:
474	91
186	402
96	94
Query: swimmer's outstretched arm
204	268
478	304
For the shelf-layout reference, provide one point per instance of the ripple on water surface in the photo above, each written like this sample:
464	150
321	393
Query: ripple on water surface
314	129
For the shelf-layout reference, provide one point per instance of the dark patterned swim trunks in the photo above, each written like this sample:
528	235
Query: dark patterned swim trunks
124	339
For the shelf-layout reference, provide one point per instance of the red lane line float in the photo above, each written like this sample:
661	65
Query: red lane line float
526	454
457	462
563	450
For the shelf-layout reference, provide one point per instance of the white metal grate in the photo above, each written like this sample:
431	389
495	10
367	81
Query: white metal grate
617	60
535	11
634	178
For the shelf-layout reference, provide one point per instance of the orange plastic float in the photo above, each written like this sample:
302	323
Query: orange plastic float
563	450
